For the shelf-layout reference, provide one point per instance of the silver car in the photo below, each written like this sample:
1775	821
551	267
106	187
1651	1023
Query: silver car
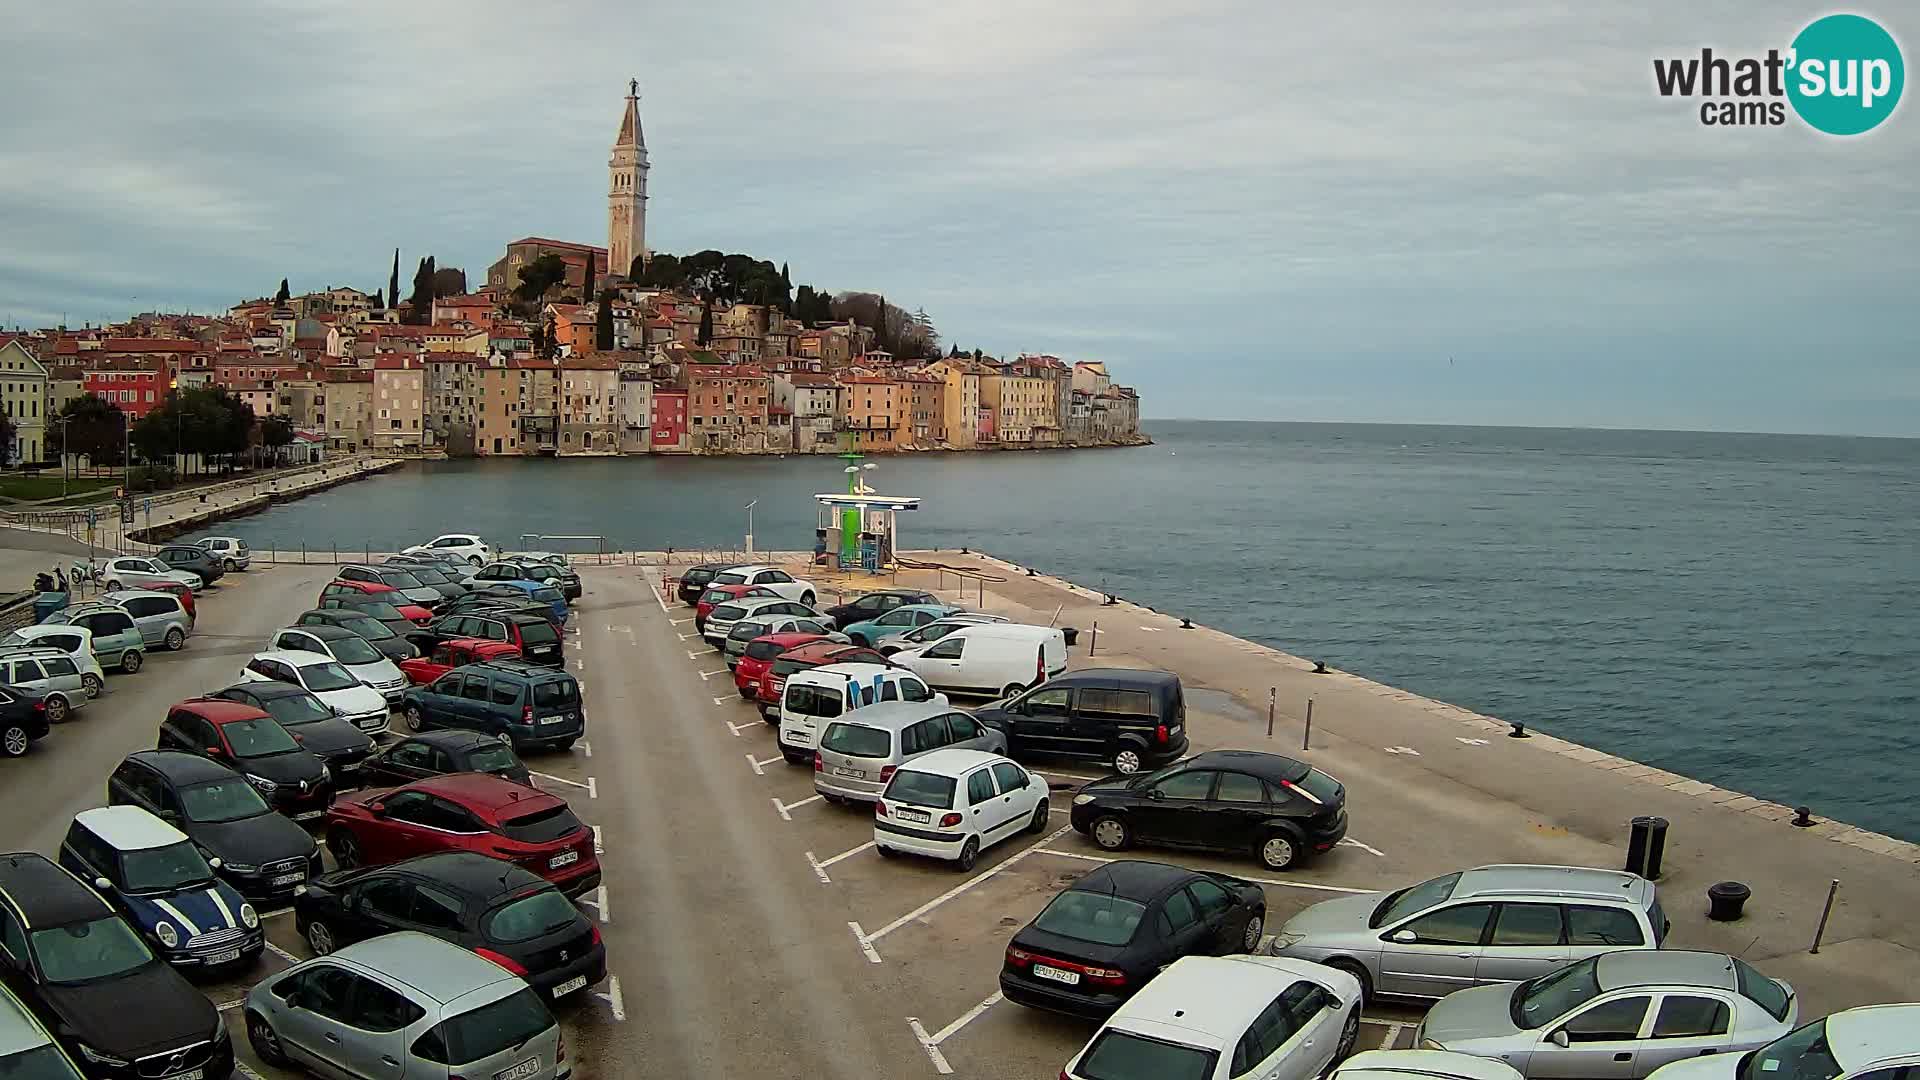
232	551
1490	924
162	619
1618	1015
721	619
860	751
408	1005
928	633
51	673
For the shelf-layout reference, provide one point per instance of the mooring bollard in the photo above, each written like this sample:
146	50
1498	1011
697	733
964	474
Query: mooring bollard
1725	900
1093	638
1306	736
1271	691
1819	932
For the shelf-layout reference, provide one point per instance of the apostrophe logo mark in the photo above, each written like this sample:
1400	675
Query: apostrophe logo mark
1847	74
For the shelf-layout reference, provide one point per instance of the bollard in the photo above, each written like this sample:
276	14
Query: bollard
1803	817
1821	931
1306	737
1271	691
1646	846
1093	638
1725	900
1519	731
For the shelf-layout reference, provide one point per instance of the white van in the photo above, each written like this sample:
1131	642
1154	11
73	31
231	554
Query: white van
813	697
995	660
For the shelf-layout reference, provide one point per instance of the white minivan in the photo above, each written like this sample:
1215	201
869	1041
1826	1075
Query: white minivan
993	661
816	696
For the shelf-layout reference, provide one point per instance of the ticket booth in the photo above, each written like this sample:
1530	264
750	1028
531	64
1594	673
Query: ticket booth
859	532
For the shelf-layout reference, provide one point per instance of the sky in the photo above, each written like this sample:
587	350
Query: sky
1381	211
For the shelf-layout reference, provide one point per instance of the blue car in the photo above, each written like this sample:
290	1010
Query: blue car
543	593
897	621
164	887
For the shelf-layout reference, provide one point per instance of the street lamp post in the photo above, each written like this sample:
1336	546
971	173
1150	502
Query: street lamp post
750	507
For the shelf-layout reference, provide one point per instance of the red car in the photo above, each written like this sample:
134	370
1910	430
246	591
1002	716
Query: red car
720	594
476	812
453	653
342	589
174	588
761	652
800	658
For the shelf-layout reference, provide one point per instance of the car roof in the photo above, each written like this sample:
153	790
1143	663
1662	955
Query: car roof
296	657
479	643
1137	879
219	710
132	594
1665	967
852	670
1424	1065
895	715
128	828
469	872
792	639
890	592
183	768
195	548
267	689
1009	631
1871	1033
1273	767
19	1031
1118	678
932	609
437	969
324	633
1213	996
484	791
451	738
523	668
749	568
946	761
1527	878
40	630
751	604
45	894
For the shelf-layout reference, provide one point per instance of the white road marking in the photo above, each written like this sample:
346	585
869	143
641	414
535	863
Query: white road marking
932	1048
661	599
691	655
711	674
818	870
1255	880
593	791
586	747
599	845
866	943
680	622
867	940
1151	629
847	854
613	999
282	953
1394	1028
619	629
738	728
782	807
719	701
757	764
598	903
1350	841
579	664
1401	750
966	1018
688	637
246	1070
1469	742
229	1006
1072	776
275	913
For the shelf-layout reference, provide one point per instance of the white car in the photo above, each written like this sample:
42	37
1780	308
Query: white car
928	633
1215	1017
74	641
771	577
1422	1065
140	572
233	552
1872	1042
360	704
459	545
351	651
955	803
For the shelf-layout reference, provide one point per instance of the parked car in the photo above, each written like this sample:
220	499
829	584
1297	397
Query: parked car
340	744
860	752
23	720
734	648
896	621
894	639
1106	935
323	677
1242	802
139	572
1870	1042
182	592
368	592
954	803
436	753
350	651
994	660
49	673
694	581
397	622
1430	939
502	912
464	546
249	740
26	1049
453	653
432	574
164	888
547	595
1211	1017
721	620
558	565
378	634
192	558
110	1002
801	658
769	577
1131	720
816	697
466	812
1421	1065
528	705
73	642
758	657
874	604
726	594
512	568
1652	1006
457	570
116	642
534	635
261	853
431	1008
233	552
399	579
163	620
498	599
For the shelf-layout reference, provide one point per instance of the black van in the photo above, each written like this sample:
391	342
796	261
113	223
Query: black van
1132	720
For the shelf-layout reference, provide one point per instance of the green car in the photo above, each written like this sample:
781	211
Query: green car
530	706
117	641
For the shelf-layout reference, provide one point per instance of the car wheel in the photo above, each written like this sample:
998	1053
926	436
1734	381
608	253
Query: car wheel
1279	851
1039	822
564	747
807	598
57	709
346	850
1348	1036
969	854
1110	833
320	937
14	741
416	720
1127	761
1250	941
130	661
1010	690
745	694
113	585
475	560
1360	975
506	738
266	1044
176	640
230	566
92	684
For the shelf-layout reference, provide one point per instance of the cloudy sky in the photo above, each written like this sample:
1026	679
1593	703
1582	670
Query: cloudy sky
1371	211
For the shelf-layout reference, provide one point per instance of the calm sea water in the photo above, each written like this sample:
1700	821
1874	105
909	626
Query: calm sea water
1740	608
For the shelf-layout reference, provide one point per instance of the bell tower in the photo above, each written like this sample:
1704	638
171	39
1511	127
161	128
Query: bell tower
627	189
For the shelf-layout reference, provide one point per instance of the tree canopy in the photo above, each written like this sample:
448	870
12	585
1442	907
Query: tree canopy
722	279
92	427
538	276
207	421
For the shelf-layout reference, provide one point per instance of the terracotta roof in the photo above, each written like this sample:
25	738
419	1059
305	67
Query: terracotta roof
811	379
560	244
394	363
148	345
589	362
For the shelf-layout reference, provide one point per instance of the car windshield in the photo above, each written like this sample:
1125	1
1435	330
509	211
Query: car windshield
368	627
353	650
858	740
549	596
1538	1002
1122	1055
399	579
538	632
429	576
258	738
293	710
919	788
746	630
1085	915
380	609
1763	991
1320	787
730	578
1407	902
933	631
492	758
495	1027
726	613
697	577
221	800
164	869
787	666
44	1062
555	693
1797	1055
545	912
325	676
83	952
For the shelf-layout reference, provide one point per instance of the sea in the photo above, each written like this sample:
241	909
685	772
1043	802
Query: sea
1740	608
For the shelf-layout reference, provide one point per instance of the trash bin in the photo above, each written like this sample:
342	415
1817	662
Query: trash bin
1725	900
1646	845
47	603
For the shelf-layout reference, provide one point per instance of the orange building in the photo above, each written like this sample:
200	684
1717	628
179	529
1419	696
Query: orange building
728	406
878	412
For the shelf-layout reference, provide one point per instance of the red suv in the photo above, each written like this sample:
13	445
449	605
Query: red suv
453	653
761	652
800	658
476	812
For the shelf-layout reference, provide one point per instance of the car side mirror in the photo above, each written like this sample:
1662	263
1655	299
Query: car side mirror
213	751
102	883
292	999
1156	794
1559	1039
1405	937
378	809
215	862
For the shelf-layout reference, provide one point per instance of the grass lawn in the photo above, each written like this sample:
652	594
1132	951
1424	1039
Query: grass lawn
31	486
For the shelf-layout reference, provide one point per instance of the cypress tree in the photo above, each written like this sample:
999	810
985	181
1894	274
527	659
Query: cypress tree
586	287
706	321
393	282
603	323
284	294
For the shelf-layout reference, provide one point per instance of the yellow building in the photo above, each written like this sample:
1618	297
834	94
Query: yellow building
23	396
958	418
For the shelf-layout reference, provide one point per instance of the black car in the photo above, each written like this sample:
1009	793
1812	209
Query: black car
294	781
364	603
434	577
194	558
378	634
1131	720
1101	939
502	912
119	1010
23	719
874	604
262	854
312	723
563	577
695	579
435	753
1271	807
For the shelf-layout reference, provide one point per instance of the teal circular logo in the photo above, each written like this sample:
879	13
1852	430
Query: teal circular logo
1845	74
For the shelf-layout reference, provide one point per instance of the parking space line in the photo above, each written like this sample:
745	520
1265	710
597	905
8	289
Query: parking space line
586	747
866	943
749	725
1351	842
931	1047
593	788
867	940
599	846
691	655
282	953
613	999
680	622
711	674
719	701
1394	1028
275	913
1255	880
246	1070
760	767
661	600
229	1006
782	808
598	903
688	637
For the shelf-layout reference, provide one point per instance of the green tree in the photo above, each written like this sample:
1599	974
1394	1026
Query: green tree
421	302
603	322
90	426
276	433
586	284
393	281
538	276
449	281
706	321
546	344
379	299
284	294
7	435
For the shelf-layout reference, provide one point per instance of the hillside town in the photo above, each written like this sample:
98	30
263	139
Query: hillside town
572	350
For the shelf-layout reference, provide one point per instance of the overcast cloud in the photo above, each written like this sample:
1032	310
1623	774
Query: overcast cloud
1371	211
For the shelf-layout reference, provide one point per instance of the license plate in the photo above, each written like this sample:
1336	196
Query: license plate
527	1068
855	773
288	879
190	1074
226	957
914	815
570	986
308	815
1054	974
554	719
563	859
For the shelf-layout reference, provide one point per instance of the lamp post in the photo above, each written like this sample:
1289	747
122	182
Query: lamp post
750	507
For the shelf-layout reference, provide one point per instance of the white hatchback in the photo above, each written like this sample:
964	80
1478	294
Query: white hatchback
955	803
465	546
768	577
323	677
140	572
